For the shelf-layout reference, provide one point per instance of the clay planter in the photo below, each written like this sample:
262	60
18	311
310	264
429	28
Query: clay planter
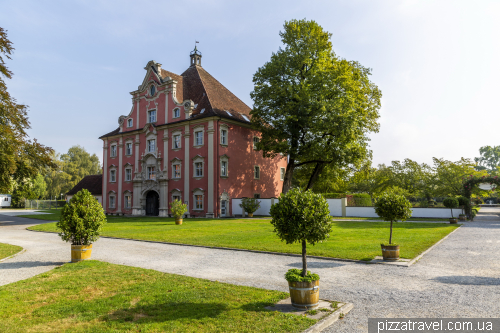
390	252
80	252
250	214
178	220
453	221
462	217
304	295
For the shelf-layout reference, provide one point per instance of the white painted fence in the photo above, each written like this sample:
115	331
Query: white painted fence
338	207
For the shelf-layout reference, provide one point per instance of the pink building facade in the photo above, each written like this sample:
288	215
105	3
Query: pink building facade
186	138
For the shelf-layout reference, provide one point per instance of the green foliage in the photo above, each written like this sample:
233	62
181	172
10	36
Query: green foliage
489	159
359	200
334	195
449	176
250	205
81	219
178	209
311	105
20	158
393	207
463	201
301	216
294	275
450	202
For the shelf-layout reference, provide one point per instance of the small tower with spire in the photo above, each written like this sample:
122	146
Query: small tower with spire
195	56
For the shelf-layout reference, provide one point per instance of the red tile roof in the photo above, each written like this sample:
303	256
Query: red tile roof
92	183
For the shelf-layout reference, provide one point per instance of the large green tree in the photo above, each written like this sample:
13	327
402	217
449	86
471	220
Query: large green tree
449	176
313	106
71	168
20	158
489	159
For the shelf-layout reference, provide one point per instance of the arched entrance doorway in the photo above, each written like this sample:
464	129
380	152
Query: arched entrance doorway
152	204
471	182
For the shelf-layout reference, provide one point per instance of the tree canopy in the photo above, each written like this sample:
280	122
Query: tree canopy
489	159
20	157
313	106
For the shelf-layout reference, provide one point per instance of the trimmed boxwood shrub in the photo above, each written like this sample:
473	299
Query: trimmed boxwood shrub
250	205
81	219
451	203
393	207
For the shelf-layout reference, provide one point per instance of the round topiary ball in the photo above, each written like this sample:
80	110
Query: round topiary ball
81	219
450	202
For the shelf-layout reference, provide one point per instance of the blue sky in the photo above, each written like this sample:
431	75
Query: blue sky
436	62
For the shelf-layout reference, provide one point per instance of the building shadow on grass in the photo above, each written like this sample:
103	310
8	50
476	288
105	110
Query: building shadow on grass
468	280
315	264
29	264
168	311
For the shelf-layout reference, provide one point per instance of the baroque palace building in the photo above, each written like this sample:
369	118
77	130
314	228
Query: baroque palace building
187	137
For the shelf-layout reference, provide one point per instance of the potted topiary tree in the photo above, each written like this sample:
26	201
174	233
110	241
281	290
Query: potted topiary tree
462	202
178	210
81	222
250	205
392	207
451	203
302	217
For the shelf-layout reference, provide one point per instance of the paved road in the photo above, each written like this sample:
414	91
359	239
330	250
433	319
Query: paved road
458	278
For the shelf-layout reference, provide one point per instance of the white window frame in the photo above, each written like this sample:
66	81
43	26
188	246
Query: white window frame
198	192
128	171
112	176
151	172
198	138
150	118
224	159
125	200
178	111
130	122
113	150
174	135
255	141
256	172
112	203
127	145
151	145
198	159
224	128
176	163
282	174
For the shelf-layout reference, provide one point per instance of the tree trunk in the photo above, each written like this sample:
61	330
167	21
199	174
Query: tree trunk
318	168
451	212
287	182
390	235
304	259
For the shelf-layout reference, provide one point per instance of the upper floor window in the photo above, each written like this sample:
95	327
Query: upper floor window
255	142
282	174
151	172
198	169
198	138
152	90
152	116
177	141
177	113
223	137
128	175
151	145
176	171
223	168
256	172
113	151
130	122
112	176
128	148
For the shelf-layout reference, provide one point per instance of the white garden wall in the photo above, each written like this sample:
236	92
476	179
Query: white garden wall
338	208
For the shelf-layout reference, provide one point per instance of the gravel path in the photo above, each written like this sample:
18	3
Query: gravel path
458	278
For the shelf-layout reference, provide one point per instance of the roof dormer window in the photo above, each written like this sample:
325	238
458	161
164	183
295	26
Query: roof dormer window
152	90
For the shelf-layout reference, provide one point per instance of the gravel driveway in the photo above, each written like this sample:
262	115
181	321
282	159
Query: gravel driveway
458	278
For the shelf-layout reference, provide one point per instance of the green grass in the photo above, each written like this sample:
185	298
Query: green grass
7	250
348	240
93	296
380	219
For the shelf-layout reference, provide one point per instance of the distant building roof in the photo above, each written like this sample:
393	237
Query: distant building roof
92	183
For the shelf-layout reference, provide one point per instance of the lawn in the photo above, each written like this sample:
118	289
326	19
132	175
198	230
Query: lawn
348	240
6	250
93	296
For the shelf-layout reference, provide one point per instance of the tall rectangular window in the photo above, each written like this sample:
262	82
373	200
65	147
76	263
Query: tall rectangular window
282	174
177	113
223	168
128	201
256	173
128	148
198	201
111	201
128	175
113	151
255	142
152	116
151	173
129	122
198	166
176	170
177	141
112	176
223	137
151	145
198	138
